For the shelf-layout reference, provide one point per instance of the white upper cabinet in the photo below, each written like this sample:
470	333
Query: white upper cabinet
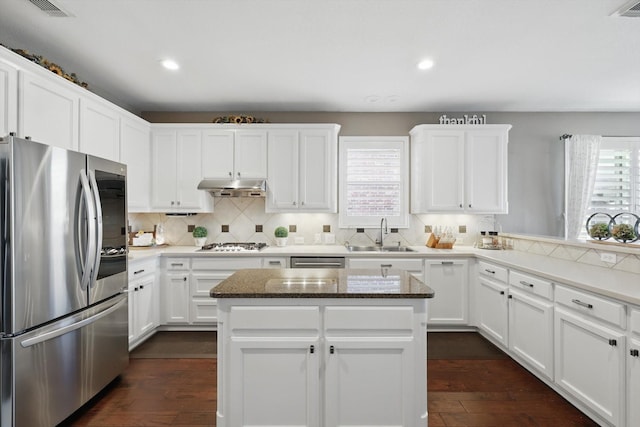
302	169
48	111
234	153
99	129
176	171
8	98
459	168
135	152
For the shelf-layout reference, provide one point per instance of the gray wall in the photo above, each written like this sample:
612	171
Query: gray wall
536	155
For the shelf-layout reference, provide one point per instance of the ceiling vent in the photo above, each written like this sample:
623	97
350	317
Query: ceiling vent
629	10
49	8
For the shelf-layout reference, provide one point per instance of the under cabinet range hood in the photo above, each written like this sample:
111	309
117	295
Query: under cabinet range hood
234	188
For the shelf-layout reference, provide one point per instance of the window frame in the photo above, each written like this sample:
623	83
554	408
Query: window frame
373	142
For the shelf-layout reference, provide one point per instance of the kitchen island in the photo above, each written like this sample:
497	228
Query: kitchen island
322	347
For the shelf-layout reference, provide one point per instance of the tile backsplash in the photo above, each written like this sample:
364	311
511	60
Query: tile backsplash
245	220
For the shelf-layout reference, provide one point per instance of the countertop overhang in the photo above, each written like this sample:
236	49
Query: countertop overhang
321	283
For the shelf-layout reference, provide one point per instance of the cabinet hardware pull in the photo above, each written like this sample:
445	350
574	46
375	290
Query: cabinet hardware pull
312	349
582	304
173	203
489	271
294	203
447	262
274	262
510	297
332	349
522	282
141	286
460	204
613	343
501	292
634	352
386	265
135	289
184	279
238	174
139	271
469	204
175	264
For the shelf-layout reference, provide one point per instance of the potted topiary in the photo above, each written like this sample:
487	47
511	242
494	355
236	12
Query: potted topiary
599	231
281	234
200	236
623	233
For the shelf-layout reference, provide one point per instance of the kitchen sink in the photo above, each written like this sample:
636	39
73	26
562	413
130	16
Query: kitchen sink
379	249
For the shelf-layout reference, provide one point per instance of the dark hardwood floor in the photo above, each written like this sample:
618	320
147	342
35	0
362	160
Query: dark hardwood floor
470	383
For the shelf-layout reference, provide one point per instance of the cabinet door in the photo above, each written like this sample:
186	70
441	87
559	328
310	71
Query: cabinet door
486	171
217	153
273	382
368	383
99	130
175	298
590	364
282	171
531	331
8	98
145	310
492	309
439	171
132	312
203	307
189	173
318	171
48	111
250	154
135	152
164	169
448	278
633	358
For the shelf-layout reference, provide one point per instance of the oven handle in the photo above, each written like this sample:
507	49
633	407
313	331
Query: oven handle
317	264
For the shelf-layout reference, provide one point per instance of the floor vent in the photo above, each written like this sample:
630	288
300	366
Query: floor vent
629	10
49	8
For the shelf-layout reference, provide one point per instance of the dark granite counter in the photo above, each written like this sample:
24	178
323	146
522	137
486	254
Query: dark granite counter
321	283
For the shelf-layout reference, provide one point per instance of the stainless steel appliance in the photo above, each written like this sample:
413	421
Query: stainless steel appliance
316	262
233	247
234	187
63	269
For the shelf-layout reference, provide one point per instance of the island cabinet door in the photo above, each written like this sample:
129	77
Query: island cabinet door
274	383
367	382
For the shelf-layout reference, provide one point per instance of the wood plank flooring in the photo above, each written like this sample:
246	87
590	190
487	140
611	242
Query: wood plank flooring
466	387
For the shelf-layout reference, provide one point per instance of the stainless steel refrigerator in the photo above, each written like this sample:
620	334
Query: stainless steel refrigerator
63	266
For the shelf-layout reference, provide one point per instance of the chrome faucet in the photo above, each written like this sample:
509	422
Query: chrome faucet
383	231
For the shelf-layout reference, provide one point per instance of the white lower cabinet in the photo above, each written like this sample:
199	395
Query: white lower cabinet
449	279
412	265
633	369
590	354
333	363
143	301
175	291
492	308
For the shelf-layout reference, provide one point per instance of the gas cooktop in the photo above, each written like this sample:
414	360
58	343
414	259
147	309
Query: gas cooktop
233	247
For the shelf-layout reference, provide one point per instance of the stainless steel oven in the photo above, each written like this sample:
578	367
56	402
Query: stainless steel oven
316	262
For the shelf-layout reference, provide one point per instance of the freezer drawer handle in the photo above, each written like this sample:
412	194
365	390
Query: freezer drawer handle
582	304
69	328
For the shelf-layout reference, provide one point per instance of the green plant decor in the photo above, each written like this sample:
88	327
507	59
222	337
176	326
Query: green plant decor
281	232
599	231
199	232
623	232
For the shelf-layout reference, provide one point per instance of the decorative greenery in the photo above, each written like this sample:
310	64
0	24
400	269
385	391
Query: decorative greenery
623	232
599	230
281	232
199	231
45	63
239	119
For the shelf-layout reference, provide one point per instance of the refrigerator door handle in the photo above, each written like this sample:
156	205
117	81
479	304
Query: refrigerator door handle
91	246
69	328
98	224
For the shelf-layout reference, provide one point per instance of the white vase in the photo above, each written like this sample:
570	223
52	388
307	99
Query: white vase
200	241
281	241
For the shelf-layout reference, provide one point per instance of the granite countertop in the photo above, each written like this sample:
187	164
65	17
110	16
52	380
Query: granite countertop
321	283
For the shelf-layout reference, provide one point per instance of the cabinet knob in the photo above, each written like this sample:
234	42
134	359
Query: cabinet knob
469	204
238	174
135	289
141	287
302	203
501	292
184	279
230	174
460	205
332	349
173	203
178	202
634	352
312	349
613	343
294	203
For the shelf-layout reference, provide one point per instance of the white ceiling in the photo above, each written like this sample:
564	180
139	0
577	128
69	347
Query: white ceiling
341	55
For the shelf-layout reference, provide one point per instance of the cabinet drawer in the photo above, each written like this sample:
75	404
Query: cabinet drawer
142	268
634	321
274	263
592	305
226	263
535	285
398	320
398	263
176	264
247	319
492	270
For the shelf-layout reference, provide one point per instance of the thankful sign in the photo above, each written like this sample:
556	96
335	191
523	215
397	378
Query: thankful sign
464	120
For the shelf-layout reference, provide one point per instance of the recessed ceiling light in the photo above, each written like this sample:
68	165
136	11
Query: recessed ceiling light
425	64
170	64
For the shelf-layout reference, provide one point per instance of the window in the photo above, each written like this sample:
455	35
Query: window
374	176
